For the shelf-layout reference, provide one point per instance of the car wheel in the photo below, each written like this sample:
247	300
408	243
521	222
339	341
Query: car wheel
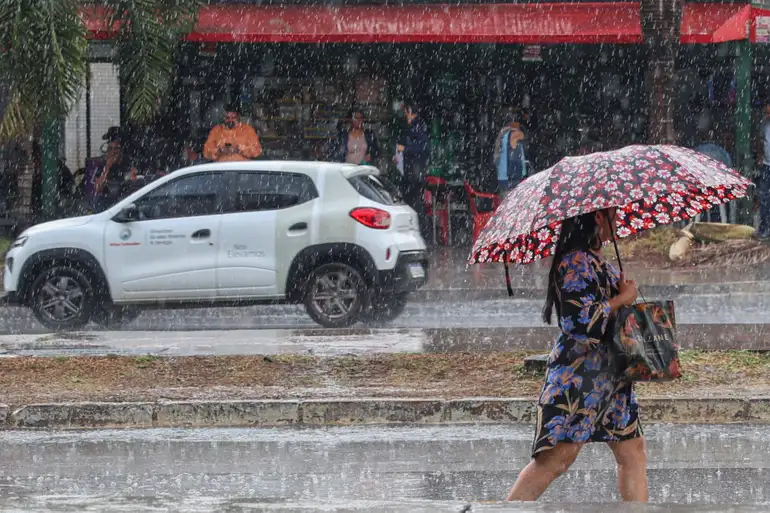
386	309
334	297
62	298
115	317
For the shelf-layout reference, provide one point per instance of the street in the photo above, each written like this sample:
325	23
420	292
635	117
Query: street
705	322
696	465
741	308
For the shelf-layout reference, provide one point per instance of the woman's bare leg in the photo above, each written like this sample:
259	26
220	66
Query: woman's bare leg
631	457
542	470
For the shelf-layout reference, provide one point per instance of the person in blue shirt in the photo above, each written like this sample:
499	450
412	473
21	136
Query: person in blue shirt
711	149
510	156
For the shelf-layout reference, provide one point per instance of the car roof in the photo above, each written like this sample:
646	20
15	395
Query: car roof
304	167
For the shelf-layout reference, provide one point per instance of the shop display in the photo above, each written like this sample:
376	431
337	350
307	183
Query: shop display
302	117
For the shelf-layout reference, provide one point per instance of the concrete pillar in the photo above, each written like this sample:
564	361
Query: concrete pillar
743	156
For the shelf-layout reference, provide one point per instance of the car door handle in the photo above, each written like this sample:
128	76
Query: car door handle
202	234
297	227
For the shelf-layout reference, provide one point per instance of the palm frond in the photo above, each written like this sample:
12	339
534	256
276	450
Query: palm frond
43	61
149	33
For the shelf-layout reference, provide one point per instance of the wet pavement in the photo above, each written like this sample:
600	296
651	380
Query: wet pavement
739	308
736	321
277	470
323	343
449	270
163	504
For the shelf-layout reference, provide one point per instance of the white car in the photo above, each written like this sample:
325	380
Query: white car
331	236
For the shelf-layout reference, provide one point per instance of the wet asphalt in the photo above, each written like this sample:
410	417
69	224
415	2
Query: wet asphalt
356	469
716	321
740	308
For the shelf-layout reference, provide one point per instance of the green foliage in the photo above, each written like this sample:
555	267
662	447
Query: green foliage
148	35
44	55
43	61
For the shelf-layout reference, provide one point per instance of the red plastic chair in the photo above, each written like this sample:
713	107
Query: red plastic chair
442	209
480	219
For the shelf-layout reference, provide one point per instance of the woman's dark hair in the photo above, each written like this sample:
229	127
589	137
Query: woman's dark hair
577	233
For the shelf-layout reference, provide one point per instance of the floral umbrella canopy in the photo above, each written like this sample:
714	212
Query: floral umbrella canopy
650	186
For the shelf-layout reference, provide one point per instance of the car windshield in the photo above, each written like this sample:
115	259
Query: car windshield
376	188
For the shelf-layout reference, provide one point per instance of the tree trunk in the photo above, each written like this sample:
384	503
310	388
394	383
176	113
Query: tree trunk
661	20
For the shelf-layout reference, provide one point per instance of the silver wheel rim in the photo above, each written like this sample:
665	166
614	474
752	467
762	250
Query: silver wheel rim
61	298
334	294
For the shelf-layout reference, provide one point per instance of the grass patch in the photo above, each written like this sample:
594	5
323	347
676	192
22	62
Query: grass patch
447	375
145	361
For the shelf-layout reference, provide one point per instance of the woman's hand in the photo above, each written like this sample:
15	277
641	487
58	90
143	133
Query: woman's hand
629	291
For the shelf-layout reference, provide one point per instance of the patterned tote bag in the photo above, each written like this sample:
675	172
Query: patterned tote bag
644	342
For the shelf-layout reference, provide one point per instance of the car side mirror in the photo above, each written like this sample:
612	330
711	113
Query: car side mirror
127	214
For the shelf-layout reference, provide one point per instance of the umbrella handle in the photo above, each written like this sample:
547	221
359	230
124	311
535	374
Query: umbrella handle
615	243
617	252
507	275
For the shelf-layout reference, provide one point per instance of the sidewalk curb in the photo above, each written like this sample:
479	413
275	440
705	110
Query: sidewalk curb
651	291
353	412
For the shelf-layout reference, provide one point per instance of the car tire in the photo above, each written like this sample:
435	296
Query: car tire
115	317
62	298
386	309
335	295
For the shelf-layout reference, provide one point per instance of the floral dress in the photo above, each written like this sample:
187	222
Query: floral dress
582	399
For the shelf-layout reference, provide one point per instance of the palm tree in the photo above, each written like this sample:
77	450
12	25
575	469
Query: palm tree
44	59
661	20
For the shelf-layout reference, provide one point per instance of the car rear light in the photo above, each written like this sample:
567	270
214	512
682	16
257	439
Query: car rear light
371	217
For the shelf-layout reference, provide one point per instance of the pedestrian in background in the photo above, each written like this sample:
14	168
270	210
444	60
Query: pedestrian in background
510	157
709	147
414	144
233	140
115	173
358	144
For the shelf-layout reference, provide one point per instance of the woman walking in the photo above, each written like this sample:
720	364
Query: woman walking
582	399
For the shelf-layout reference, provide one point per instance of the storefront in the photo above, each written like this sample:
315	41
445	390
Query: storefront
577	71
297	71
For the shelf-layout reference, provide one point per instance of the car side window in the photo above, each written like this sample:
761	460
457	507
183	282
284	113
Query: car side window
272	191
189	196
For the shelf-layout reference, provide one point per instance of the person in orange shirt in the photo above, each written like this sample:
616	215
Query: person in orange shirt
232	141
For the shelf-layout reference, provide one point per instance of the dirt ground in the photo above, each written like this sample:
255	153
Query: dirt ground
148	378
650	250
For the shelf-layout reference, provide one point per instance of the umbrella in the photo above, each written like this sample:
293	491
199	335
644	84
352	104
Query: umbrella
649	185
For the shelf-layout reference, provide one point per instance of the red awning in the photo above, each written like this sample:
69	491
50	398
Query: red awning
531	23
612	22
715	23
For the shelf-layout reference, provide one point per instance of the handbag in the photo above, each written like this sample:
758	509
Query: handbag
644	342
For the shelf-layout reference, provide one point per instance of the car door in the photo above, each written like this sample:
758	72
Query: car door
170	251
270	222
